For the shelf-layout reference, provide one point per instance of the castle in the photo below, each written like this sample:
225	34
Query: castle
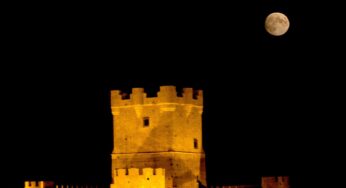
158	142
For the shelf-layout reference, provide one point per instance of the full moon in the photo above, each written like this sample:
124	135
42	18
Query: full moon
277	24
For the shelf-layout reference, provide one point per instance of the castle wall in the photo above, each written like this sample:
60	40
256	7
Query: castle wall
34	184
51	184
180	168
133	178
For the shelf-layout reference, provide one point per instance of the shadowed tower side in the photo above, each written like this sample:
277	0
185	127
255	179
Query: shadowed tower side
160	132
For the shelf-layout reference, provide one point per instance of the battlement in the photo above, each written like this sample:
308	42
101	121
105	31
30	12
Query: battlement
140	172
34	184
51	184
167	94
134	177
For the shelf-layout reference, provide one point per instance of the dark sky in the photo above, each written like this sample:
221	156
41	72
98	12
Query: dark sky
265	97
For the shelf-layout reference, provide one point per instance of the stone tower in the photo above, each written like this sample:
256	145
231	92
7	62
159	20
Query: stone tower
160	132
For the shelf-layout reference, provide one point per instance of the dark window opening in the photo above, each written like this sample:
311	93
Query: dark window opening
195	143
146	122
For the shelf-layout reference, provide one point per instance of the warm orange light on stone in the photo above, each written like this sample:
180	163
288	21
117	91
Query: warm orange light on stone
33	184
153	178
159	132
38	184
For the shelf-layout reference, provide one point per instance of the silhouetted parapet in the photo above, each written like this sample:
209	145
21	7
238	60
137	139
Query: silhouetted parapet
190	95
275	182
166	95
154	178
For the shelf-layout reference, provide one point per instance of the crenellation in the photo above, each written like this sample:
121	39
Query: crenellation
140	172
137	96
34	184
133	172
166	94
154	178
200	95
187	95
115	98
148	171
121	172
159	171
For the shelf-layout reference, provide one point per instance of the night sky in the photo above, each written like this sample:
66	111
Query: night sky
269	101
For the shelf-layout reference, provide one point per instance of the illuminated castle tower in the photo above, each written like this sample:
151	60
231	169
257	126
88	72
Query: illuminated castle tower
163	132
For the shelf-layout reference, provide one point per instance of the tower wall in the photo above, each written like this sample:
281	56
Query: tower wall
160	132
174	122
